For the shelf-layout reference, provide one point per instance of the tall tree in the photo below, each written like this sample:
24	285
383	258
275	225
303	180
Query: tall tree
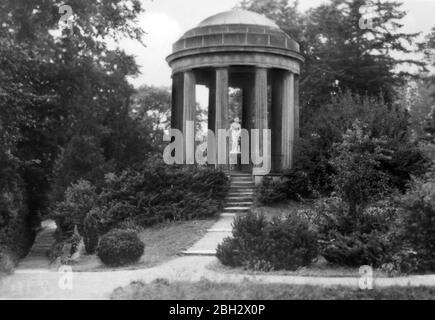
341	54
55	84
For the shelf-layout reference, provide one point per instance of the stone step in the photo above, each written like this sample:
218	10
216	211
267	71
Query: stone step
240	198
239	203
236	209
241	189
241	194
243	184
246	207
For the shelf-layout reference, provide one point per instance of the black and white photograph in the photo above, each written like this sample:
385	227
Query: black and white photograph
217	155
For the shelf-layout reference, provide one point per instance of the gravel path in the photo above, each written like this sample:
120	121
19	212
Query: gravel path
34	279
37	284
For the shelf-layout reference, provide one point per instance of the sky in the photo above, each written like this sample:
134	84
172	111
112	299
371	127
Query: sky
164	21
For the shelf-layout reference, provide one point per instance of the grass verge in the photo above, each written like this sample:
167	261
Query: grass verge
162	243
162	289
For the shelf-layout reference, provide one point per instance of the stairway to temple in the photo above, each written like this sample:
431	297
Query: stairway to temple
238	202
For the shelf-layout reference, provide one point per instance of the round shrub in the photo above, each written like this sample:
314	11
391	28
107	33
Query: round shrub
120	247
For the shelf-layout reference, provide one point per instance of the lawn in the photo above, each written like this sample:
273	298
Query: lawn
162	243
205	290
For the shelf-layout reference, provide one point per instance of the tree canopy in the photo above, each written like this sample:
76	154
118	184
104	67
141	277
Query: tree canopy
340	55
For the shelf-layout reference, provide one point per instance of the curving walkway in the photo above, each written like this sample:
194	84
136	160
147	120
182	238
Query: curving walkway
100	285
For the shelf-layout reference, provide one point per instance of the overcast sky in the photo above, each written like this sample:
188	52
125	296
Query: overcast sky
166	20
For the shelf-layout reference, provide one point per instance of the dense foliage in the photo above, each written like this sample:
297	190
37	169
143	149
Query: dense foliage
419	222
359	178
145	196
269	245
64	103
164	193
380	143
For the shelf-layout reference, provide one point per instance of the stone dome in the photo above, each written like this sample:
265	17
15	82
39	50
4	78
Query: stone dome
238	16
235	32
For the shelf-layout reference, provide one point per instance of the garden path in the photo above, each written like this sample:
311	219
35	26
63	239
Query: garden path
34	279
239	201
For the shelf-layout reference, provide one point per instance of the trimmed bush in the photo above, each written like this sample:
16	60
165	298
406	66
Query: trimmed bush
120	247
281	244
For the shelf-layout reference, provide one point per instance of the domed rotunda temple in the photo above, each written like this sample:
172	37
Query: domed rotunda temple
244	50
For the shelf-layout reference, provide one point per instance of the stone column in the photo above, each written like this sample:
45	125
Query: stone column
189	108
177	101
260	108
247	115
260	99
222	102
222	98
212	105
211	139
288	120
296	95
276	126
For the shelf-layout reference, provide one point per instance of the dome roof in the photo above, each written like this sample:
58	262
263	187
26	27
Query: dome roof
236	37
238	16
